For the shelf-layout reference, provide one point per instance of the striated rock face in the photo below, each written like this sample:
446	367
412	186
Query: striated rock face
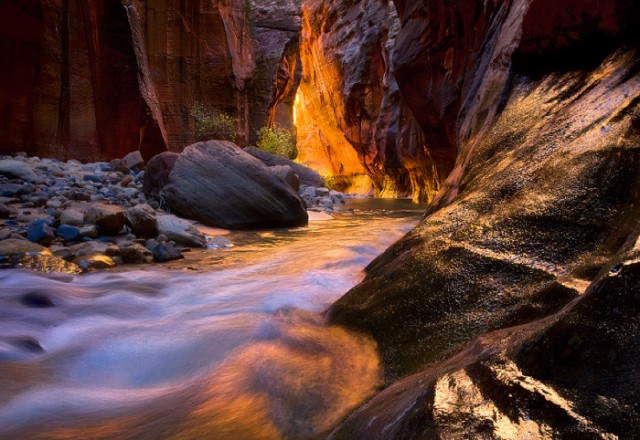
275	26
96	80
70	87
352	123
350	116
198	51
512	303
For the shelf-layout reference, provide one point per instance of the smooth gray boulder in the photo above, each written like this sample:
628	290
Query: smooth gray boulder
285	172
219	184
306	175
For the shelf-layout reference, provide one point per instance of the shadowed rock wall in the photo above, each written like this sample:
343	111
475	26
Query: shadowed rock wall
95	80
70	84
512	303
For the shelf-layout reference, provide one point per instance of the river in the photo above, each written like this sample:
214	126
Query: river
226	344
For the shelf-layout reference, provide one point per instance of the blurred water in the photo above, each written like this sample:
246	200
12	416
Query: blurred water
229	343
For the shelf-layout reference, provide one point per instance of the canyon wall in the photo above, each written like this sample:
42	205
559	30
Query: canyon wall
352	122
70	84
95	80
511	310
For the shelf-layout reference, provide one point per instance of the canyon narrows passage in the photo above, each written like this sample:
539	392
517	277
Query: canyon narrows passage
235	345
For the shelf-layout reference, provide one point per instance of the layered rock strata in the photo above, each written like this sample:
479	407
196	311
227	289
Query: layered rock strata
508	302
352	121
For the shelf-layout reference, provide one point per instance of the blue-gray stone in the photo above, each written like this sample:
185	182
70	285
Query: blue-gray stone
68	233
41	232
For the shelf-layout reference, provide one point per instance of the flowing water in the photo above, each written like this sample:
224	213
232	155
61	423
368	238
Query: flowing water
228	343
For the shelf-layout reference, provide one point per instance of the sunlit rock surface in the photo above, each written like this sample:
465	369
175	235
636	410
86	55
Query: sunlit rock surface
540	207
275	26
352	124
70	86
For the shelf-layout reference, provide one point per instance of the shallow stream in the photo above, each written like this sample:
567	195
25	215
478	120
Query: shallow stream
228	343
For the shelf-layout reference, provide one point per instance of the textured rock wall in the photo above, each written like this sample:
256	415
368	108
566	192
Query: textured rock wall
95	80
276	28
69	86
199	51
523	271
351	120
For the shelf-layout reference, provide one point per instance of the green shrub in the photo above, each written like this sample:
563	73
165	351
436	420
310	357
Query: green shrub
278	141
213	125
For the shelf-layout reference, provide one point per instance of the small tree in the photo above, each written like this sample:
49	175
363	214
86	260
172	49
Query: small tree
213	125
278	141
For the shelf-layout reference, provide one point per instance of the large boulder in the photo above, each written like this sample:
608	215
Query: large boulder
306	175
219	184
156	174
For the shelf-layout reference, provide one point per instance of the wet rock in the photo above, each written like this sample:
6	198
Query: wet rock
27	343
134	253
90	248
92	178
179	230
68	233
157	172
41	232
9	189
44	262
219	243
109	219
63	252
163	251
71	217
89	232
126	181
142	220
55	204
5	212
306	175
12	247
220	185
117	165
94	262
323	192
36	300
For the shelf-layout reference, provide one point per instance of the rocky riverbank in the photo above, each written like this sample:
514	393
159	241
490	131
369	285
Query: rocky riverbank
74	217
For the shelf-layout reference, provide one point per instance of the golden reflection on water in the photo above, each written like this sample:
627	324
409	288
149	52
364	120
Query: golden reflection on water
237	350
296	386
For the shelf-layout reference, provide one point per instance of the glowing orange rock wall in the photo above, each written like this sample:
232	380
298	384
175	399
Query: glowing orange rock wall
350	115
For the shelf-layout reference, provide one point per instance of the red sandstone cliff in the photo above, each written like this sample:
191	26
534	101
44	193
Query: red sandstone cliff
95	80
351	118
70	84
